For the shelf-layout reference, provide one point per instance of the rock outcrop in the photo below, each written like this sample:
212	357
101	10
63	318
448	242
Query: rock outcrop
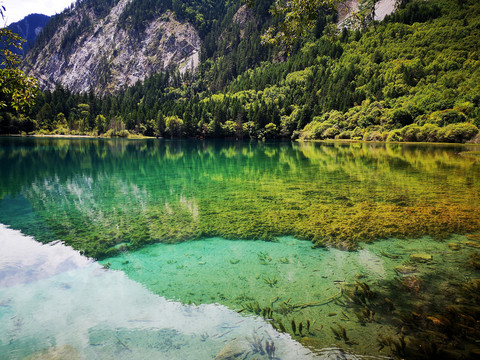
107	57
242	17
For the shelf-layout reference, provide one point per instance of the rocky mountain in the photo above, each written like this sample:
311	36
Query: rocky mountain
109	45
90	49
242	17
414	76
348	10
29	28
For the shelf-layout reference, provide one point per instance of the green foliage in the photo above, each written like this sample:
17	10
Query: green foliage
174	126
415	12
446	117
100	124
403	79
202	14
453	133
17	91
298	17
457	132
117	133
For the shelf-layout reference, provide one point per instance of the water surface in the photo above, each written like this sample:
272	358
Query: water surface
53	301
255	232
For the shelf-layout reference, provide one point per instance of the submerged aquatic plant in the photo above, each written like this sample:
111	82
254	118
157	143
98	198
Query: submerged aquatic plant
264	257
475	260
412	283
436	208
284	308
270	349
383	200
281	327
257	346
267	313
253	307
243	297
341	333
272	282
397	345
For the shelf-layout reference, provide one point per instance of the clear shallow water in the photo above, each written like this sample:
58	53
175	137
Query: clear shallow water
51	297
298	282
206	207
99	195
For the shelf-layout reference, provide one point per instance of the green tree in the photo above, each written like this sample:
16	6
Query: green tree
159	124
101	124
17	91
299	17
45	117
174	125
61	120
84	111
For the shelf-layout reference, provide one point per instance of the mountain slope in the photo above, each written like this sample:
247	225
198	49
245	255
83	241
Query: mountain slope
413	77
89	50
28	28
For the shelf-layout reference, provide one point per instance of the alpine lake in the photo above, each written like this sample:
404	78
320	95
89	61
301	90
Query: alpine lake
190	249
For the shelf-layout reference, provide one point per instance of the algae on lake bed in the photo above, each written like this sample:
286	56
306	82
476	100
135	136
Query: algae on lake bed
120	197
105	196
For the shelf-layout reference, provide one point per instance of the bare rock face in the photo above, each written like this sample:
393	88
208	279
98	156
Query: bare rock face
242	17
348	8
107	57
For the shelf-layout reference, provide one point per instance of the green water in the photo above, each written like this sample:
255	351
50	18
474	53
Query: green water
57	304
262	228
306	285
98	194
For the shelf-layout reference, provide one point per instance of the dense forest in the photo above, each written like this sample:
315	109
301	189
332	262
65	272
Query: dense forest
415	76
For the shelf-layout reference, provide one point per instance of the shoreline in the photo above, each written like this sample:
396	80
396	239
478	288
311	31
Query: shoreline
77	136
332	141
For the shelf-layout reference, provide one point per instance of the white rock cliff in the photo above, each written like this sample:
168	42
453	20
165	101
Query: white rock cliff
107	57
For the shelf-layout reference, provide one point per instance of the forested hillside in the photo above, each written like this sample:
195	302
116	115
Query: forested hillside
28	29
413	77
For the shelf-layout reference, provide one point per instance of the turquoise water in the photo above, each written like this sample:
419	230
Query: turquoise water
300	283
208	249
53	299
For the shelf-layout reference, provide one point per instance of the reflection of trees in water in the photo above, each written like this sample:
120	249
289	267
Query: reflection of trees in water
95	194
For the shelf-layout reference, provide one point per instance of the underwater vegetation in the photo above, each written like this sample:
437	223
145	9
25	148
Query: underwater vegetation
272	282
113	197
397	298
264	258
255	346
424	330
429	325
420	310
475	260
158	191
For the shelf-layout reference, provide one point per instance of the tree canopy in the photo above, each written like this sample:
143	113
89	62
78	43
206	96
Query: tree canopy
408	78
299	16
17	91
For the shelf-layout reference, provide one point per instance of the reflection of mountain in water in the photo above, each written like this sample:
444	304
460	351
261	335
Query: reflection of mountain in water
102	195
